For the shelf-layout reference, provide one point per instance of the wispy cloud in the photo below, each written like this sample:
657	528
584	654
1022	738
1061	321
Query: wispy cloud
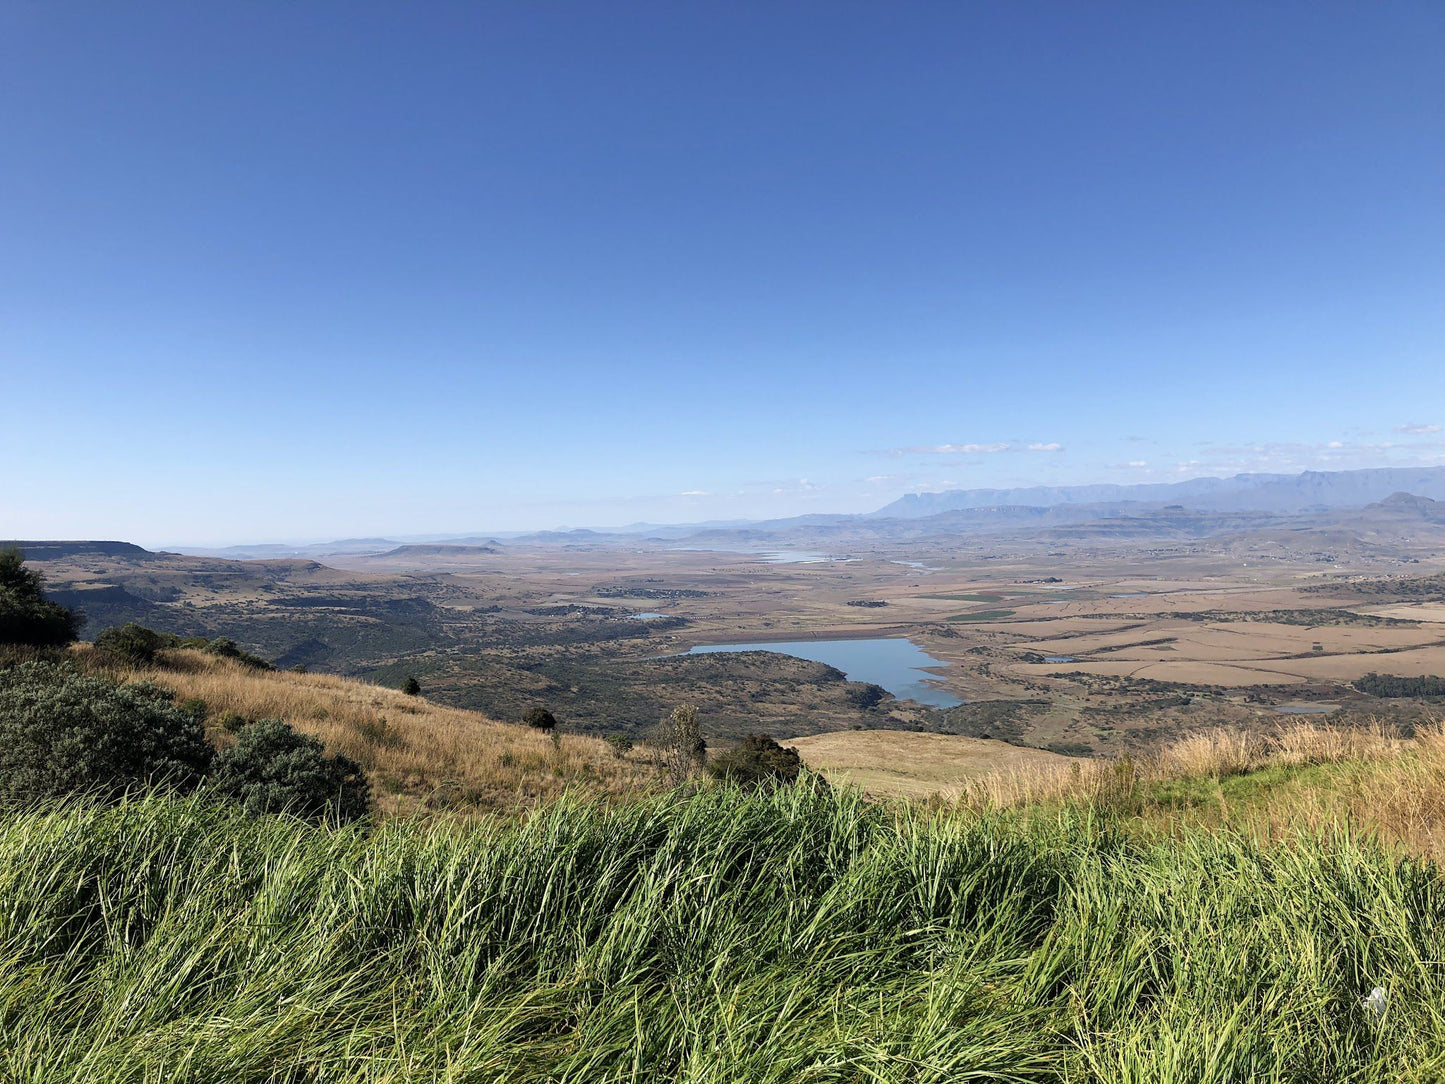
1417	429
695	493
973	448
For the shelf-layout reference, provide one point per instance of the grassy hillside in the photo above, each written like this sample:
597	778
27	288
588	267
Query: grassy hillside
803	935
415	752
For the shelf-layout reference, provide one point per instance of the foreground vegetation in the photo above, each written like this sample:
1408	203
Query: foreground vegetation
797	934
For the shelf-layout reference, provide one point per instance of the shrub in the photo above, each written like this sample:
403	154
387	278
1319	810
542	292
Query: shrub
228	649
133	644
233	722
64	733
196	707
411	686
273	769
621	744
756	760
679	740
25	616
539	718
865	694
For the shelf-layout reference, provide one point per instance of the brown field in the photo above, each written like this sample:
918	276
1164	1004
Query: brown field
911	765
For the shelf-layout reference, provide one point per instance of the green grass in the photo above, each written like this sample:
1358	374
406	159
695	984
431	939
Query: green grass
981	615
799	936
966	598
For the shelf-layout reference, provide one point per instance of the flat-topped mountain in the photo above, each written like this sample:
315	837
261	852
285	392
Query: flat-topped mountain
436	549
58	550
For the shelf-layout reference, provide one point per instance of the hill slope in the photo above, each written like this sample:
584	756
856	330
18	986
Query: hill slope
415	753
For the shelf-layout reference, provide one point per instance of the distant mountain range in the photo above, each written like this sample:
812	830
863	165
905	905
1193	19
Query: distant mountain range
1285	494
1391	491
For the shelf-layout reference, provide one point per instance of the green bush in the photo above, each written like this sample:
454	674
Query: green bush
756	760
133	644
621	744
539	718
63	733
227	648
25	616
411	686
273	769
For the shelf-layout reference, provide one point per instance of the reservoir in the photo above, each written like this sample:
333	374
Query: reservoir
899	665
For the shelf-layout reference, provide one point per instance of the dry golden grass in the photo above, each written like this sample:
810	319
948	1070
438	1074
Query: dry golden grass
1212	754
415	752
894	763
1367	779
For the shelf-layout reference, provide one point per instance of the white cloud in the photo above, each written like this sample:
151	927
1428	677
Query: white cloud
695	493
963	449
1052	446
1138	462
1417	429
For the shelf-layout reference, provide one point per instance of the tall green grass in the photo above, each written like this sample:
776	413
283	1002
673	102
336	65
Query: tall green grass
803	935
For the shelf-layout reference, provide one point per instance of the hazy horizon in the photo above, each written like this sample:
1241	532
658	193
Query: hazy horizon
411	536
349	270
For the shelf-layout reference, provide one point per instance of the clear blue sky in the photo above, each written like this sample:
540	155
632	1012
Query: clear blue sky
289	271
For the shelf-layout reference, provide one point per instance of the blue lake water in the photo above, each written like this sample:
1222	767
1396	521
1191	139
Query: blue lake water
649	616
896	664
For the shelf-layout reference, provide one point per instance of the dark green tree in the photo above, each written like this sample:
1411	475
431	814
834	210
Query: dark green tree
64	733
539	718
411	686
25	615
757	760
273	769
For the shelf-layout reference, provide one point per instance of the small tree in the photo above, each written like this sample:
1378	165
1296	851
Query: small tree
273	769
411	686
757	760
64	733
540	719
25	615
680	741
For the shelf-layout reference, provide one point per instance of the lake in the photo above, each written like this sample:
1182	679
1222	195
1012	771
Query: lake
899	665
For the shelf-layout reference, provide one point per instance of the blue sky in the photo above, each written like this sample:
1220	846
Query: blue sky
299	271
